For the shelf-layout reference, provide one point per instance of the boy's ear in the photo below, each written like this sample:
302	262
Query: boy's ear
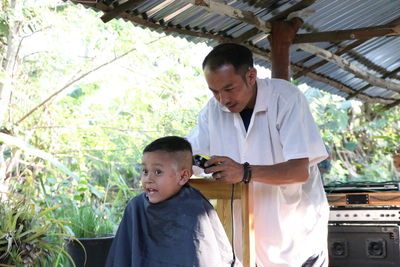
185	176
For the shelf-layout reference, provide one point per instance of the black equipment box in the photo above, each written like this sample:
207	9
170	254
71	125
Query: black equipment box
364	246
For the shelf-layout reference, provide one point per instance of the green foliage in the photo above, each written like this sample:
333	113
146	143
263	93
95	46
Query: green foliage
362	139
29	236
87	220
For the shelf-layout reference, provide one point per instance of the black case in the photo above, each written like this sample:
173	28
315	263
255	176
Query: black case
364	246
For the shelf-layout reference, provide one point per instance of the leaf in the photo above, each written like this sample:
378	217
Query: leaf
345	104
14	141
351	146
78	92
380	137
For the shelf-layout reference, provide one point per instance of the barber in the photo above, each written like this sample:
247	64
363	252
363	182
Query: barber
261	132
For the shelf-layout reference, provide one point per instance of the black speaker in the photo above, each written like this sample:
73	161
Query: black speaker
364	245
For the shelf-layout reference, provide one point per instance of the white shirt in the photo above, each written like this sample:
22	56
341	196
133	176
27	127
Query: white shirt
290	221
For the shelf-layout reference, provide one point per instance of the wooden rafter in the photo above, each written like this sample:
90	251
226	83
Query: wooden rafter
354	34
120	9
235	13
323	61
344	88
223	9
260	25
297	7
350	67
387	75
265	55
259	53
341	51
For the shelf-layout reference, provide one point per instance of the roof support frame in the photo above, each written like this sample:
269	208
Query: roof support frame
260	25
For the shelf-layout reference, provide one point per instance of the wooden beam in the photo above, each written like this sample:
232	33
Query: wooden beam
259	53
250	18
341	51
297	7
281	16
361	33
389	74
344	88
117	11
387	107
247	35
235	13
265	55
350	67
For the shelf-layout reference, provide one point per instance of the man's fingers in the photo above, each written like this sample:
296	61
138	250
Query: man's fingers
213	169
215	160
217	175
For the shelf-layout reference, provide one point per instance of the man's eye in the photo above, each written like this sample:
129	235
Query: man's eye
157	172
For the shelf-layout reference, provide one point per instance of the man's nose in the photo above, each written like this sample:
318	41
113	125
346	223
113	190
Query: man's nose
224	99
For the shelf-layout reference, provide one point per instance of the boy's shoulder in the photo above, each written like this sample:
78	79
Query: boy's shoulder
135	201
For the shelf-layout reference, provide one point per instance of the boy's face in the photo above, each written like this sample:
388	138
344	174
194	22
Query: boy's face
161	178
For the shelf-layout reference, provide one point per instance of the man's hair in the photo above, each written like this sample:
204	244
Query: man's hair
179	148
239	56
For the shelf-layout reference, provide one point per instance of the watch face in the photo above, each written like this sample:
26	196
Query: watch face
199	160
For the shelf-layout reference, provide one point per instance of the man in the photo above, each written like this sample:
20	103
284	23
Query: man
262	132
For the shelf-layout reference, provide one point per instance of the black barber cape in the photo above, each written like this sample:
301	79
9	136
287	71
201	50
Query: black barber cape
182	231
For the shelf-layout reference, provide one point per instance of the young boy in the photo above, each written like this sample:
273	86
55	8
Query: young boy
170	223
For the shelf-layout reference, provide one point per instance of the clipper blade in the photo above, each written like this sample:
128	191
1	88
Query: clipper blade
199	160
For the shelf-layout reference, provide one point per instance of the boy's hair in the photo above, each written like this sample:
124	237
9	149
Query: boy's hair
174	145
239	56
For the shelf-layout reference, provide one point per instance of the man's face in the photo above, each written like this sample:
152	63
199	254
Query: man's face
231	89
160	177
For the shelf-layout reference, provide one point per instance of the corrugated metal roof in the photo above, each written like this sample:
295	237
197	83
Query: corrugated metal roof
379	56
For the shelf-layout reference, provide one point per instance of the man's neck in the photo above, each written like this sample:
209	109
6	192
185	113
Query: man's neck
253	99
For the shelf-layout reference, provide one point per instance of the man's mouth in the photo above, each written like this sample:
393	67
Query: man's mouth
230	106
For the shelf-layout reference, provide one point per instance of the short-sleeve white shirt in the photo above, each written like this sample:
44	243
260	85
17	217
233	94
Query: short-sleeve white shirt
290	221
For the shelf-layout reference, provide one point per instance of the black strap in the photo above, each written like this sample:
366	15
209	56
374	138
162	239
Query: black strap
246	173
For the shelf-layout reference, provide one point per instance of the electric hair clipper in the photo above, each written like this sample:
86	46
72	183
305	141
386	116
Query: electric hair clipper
199	160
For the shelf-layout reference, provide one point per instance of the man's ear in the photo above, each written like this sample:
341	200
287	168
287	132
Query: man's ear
185	176
251	76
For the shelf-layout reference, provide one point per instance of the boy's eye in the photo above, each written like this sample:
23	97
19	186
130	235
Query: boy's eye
144	171
157	172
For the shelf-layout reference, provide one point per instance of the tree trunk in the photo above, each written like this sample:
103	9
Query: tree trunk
9	64
8	67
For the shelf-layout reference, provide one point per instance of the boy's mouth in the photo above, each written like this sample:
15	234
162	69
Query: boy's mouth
151	191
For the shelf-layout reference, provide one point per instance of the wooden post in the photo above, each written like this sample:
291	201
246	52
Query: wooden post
281	37
222	193
249	248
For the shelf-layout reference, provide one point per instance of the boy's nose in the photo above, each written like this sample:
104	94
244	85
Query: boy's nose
147	178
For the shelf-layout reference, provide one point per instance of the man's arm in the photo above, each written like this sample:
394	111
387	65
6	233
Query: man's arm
224	169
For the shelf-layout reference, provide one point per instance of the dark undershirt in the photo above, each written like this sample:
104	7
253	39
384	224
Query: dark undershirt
246	117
